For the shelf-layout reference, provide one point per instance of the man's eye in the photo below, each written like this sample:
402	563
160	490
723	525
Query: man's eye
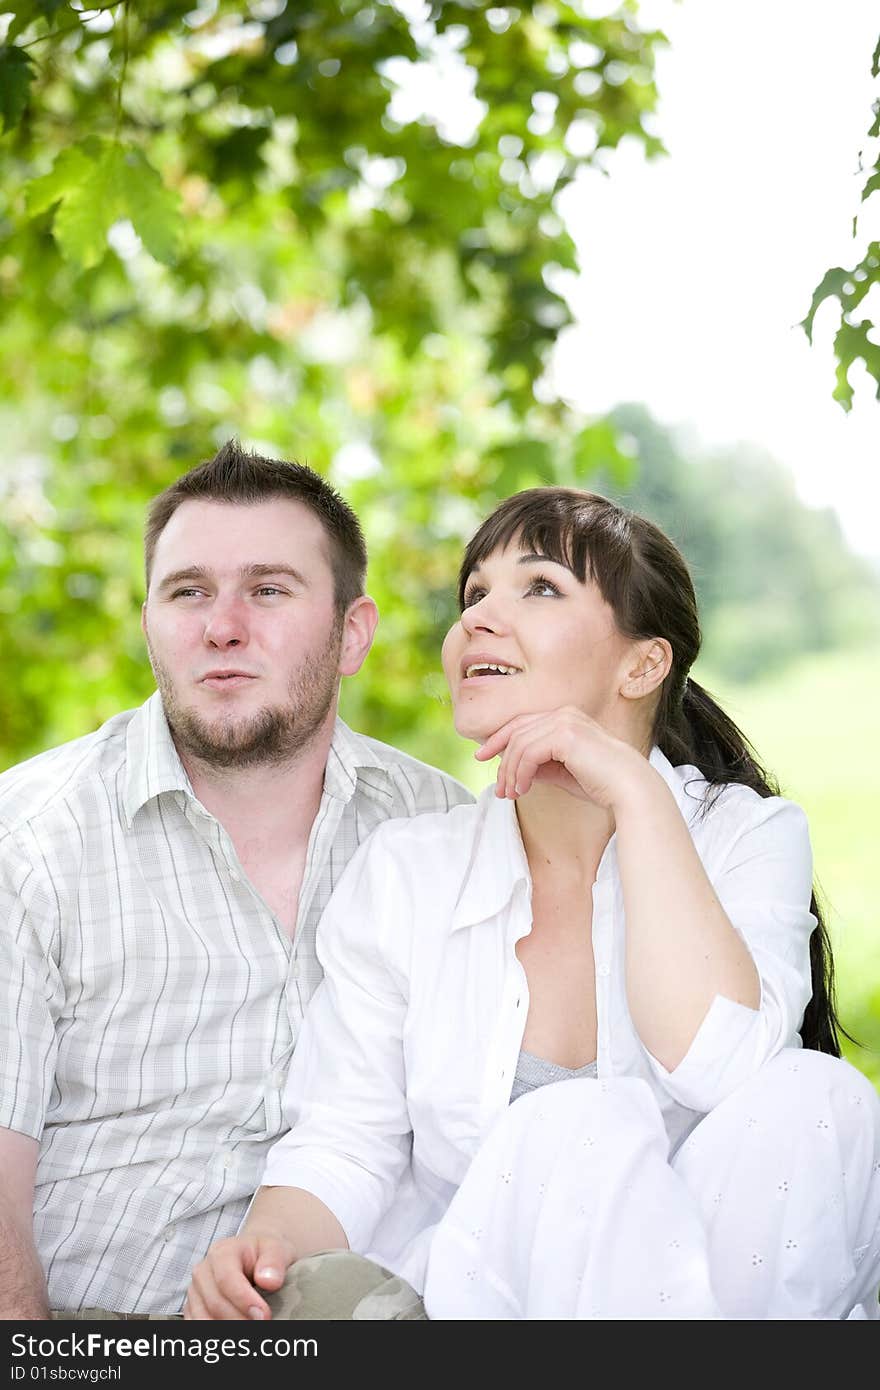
186	593
268	590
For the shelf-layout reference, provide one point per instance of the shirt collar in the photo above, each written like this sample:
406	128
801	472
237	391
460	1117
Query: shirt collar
350	754
498	862
687	784
152	762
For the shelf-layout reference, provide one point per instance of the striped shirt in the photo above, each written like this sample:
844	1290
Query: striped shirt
149	999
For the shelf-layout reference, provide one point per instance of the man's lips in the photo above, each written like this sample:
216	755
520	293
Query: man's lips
226	679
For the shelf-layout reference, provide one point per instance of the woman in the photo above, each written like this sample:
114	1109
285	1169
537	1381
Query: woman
623	928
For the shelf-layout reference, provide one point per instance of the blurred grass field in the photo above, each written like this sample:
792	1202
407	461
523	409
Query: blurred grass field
817	727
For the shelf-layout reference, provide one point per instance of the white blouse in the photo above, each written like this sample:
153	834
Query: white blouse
409	1048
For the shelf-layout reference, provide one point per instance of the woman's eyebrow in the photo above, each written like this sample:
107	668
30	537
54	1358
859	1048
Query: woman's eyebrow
536	558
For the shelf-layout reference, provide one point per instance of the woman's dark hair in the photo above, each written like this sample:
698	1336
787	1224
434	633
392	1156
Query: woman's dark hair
645	581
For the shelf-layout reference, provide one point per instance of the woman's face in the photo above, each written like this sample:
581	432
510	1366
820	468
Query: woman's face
554	638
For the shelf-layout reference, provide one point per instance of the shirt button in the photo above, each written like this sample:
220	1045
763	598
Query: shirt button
168	1233
235	875
294	970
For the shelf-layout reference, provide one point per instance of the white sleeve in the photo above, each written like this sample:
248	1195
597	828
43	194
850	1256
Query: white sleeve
345	1096
764	883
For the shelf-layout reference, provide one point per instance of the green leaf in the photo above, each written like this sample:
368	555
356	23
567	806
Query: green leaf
16	75
832	283
70	169
875	61
89	210
851	344
25	14
27	11
154	210
872	185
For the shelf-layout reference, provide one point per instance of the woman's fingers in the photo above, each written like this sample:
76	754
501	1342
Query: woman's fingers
497	742
559	747
221	1286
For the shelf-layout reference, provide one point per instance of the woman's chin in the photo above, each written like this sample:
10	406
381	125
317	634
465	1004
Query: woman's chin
469	727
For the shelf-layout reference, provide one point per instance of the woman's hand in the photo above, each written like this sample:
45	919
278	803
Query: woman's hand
567	748
225	1285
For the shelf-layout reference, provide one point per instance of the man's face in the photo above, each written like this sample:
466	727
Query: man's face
242	630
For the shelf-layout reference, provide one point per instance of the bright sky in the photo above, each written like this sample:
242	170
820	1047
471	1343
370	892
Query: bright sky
698	268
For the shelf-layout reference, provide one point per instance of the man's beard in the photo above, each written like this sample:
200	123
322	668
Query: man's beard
271	735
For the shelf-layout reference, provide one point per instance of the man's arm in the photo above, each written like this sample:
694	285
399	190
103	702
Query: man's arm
22	1283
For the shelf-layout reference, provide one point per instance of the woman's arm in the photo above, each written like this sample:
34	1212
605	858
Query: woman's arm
284	1224
683	948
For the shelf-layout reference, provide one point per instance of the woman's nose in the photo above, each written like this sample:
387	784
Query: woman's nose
483	616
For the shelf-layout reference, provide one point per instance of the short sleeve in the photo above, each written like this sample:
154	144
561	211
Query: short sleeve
28	993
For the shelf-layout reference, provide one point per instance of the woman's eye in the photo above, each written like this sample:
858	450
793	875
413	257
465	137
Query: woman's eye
544	588
473	596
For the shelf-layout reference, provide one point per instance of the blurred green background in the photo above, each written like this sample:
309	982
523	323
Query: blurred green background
225	219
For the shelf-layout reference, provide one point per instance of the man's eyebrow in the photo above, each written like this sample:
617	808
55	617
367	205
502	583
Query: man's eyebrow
264	571
202	573
180	576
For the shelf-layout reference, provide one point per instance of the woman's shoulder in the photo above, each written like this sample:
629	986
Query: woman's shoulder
730	809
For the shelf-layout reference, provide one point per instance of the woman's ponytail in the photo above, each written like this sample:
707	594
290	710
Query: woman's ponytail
706	737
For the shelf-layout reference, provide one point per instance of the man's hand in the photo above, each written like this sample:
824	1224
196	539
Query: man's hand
225	1286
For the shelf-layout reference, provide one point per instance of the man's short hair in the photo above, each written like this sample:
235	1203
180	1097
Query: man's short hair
235	476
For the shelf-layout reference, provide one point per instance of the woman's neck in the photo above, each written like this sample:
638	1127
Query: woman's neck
562	834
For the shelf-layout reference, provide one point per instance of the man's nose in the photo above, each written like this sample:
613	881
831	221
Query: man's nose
227	623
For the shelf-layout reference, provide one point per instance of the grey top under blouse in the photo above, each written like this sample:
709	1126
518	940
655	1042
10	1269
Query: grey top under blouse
532	1072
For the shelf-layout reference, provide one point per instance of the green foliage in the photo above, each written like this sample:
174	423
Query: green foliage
96	185
853	342
221	219
16	73
774	578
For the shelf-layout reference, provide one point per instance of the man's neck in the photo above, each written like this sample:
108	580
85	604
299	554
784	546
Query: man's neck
275	803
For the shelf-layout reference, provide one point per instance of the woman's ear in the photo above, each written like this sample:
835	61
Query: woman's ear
649	668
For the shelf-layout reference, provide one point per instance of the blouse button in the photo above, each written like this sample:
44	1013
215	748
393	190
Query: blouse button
603	971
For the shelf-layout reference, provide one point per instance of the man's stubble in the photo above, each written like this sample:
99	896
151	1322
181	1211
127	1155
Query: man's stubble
274	735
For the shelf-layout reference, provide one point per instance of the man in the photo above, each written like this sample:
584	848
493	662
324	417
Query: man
161	882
